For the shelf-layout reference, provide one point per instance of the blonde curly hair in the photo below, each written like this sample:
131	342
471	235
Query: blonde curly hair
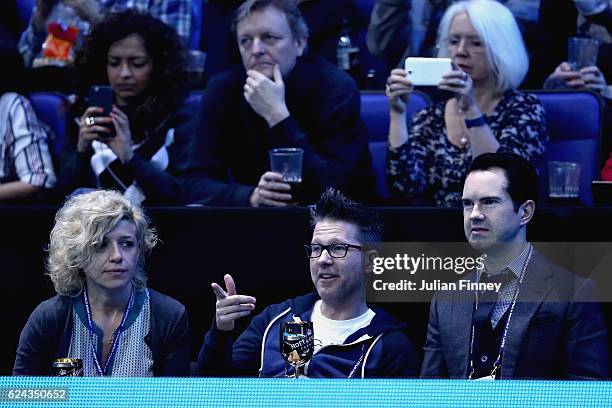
80	225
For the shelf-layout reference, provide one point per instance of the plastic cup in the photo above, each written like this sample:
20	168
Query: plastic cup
288	162
563	179
196	62
582	52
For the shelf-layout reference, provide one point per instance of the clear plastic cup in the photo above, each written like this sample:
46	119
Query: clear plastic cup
563	179
582	52
288	162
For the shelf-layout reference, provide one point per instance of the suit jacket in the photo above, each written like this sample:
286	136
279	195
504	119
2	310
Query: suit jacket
556	330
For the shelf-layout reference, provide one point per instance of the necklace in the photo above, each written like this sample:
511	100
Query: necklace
464	140
455	126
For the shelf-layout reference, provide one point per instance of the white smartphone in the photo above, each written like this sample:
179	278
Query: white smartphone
427	71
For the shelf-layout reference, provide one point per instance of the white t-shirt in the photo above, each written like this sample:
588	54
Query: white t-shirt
328	331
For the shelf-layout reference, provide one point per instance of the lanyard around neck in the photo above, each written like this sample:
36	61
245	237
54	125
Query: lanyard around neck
102	370
497	363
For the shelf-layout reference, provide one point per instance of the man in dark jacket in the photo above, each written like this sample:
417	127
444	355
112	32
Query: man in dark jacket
350	338
277	98
544	322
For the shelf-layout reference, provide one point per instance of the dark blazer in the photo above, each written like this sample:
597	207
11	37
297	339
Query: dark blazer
554	332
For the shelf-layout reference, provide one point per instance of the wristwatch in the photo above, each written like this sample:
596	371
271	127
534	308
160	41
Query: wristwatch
480	121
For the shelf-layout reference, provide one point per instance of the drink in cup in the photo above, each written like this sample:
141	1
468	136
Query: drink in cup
288	162
297	343
582	52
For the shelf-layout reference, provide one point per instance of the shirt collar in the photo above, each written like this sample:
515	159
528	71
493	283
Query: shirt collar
516	265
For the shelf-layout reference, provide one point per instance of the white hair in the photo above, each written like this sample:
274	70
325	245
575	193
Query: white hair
501	35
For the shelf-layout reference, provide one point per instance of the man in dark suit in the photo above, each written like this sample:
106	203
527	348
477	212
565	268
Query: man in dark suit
543	323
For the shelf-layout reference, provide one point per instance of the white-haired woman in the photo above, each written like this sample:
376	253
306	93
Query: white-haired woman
103	312
430	160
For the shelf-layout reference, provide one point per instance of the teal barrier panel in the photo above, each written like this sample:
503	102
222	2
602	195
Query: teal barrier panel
251	392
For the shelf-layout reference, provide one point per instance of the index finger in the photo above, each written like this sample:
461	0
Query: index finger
241	300
567	75
256	75
401	79
455	73
278	77
219	292
93	109
118	111
272	176
591	69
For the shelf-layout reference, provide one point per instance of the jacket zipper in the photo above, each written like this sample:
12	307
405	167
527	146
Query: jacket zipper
265	335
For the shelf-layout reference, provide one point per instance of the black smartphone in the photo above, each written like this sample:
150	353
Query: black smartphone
103	97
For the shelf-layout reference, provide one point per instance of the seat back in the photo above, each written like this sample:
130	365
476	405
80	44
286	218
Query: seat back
574	121
375	115
375	112
24	8
364	8
51	108
197	16
193	101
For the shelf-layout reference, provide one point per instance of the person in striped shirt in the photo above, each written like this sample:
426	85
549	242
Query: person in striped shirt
26	167
175	13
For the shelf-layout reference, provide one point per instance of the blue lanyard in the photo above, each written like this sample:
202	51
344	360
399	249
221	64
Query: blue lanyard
102	370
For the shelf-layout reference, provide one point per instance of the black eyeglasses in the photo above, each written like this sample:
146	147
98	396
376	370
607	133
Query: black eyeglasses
334	249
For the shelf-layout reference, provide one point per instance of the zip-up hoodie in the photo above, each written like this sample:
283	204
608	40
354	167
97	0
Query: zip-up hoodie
381	349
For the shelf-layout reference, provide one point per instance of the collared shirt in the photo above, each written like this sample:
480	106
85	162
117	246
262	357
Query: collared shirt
504	297
24	154
175	13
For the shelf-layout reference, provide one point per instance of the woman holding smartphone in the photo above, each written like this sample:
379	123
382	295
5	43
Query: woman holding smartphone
136	143
429	160
103	313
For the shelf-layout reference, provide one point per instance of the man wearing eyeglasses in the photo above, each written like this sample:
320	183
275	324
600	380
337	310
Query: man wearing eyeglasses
352	340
